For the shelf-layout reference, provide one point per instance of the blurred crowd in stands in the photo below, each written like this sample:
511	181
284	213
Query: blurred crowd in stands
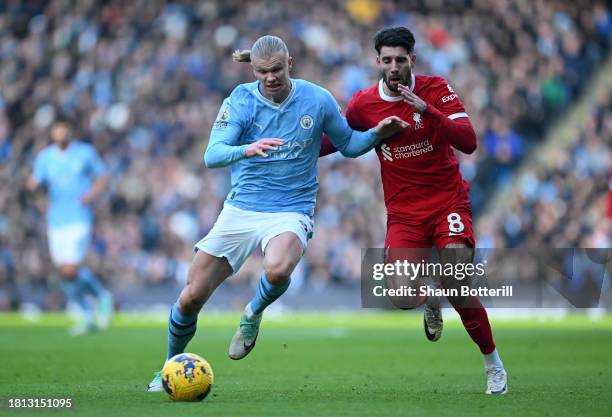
564	200
143	81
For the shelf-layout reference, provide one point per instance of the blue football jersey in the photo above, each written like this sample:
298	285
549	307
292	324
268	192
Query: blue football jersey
285	181
68	175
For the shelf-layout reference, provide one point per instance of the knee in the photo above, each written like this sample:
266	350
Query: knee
455	253
278	270
191	301
68	271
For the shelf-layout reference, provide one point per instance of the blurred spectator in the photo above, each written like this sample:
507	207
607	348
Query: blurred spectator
145	79
563	203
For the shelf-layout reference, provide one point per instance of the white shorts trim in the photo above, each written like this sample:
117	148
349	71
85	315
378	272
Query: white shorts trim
237	232
68	244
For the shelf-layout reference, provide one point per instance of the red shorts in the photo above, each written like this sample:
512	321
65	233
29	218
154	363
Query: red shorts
454	225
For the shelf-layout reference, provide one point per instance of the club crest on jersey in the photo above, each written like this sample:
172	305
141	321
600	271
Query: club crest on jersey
418	123
306	122
226	114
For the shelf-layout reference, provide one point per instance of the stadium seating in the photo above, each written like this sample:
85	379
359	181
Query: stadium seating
144	80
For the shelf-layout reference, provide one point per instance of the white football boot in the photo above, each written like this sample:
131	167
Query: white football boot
156	383
432	320
246	335
497	381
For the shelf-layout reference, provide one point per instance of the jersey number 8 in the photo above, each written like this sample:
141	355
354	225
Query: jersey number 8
454	223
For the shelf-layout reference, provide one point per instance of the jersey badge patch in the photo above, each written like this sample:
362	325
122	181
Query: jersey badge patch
306	122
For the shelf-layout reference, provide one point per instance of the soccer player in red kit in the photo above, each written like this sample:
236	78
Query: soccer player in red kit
426	197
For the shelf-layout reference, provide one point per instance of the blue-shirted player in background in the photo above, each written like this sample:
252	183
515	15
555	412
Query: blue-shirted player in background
74	176
270	132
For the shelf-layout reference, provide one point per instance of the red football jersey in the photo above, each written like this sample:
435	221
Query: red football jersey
420	172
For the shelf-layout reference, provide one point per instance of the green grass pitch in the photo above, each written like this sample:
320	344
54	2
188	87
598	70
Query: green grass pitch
314	365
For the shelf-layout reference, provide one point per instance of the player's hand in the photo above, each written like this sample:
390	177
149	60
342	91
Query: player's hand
389	126
412	99
32	185
260	147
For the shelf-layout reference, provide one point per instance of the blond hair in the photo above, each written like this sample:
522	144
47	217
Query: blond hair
264	47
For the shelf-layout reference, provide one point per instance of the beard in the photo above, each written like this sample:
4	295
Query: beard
400	80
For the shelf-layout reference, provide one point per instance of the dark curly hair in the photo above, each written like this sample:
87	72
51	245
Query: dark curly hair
394	36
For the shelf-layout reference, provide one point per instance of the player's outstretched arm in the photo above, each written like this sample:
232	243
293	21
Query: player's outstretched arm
220	154
359	143
353	143
389	126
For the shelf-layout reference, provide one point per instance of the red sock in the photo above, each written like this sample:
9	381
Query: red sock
476	323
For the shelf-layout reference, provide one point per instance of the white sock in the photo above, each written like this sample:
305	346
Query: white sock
492	360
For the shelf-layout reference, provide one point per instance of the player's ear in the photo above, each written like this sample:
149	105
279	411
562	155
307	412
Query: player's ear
413	59
290	63
377	59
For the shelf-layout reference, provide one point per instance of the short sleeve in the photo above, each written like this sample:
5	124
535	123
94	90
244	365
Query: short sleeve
448	102
96	164
353	117
231	114
336	125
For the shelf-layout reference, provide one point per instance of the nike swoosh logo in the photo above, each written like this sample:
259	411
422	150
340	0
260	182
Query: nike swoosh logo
428	334
251	346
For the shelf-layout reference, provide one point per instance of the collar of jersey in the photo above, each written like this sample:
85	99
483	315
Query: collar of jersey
272	104
381	90
65	151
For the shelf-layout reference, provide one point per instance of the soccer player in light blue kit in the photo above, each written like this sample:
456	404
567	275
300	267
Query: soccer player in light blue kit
74	176
270	132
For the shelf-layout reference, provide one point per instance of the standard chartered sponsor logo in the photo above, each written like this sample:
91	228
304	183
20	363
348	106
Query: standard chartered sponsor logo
407	151
386	152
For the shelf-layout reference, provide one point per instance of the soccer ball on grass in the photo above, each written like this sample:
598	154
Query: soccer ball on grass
187	377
